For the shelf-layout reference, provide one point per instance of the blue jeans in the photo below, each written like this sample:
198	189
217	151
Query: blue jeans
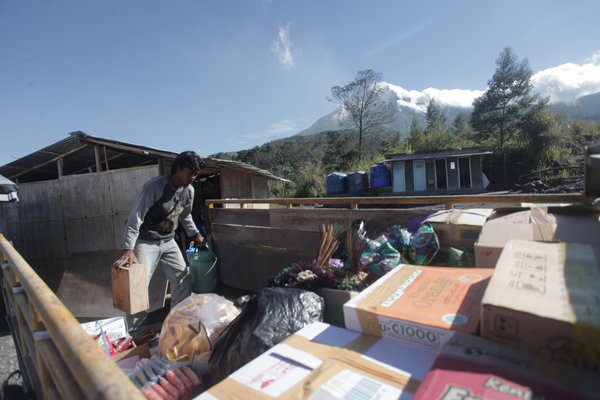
167	256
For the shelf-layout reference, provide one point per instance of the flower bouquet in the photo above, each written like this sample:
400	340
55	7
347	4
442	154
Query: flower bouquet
325	271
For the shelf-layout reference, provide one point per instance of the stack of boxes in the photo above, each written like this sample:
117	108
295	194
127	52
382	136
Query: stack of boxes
523	324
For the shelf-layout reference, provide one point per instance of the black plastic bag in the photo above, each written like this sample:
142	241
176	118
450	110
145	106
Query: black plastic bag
267	319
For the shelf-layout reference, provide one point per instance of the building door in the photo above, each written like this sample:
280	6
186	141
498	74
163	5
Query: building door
419	175
441	176
398	172
464	172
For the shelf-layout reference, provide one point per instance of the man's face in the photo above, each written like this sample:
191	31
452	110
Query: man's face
184	176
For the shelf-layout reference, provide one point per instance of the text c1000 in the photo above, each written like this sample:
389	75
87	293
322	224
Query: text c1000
394	329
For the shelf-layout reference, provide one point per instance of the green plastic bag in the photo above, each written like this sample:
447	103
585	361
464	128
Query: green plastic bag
424	245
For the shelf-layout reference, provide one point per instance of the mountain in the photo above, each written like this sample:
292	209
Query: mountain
586	108
413	103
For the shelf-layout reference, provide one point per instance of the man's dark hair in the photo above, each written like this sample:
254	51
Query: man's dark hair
188	159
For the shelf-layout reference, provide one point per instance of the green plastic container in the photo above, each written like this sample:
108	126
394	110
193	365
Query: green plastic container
203	268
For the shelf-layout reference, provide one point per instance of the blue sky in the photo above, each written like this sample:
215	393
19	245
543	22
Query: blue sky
229	75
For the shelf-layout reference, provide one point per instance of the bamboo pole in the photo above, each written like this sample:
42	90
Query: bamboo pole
97	376
55	367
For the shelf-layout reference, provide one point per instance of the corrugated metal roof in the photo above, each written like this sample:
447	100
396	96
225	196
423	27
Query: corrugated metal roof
436	154
78	155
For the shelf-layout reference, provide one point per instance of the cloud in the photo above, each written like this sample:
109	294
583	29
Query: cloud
453	97
282	47
418	100
283	126
277	129
594	59
568	82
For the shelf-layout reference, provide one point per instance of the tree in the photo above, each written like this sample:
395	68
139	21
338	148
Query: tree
337	155
542	132
498	112
460	125
361	99
434	116
415	138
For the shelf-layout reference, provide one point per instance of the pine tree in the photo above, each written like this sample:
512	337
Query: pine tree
498	112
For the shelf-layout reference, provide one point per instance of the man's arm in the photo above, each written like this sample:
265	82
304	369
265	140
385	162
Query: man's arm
187	222
132	227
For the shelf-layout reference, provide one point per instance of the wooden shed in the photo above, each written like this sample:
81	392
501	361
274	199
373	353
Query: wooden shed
75	196
440	172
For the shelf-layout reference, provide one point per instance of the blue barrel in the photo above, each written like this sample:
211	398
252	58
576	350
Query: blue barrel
357	182
380	176
335	183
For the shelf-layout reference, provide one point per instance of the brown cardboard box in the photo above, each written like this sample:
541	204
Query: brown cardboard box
493	237
328	362
130	288
470	367
544	297
459	228
420	305
544	214
141	351
567	224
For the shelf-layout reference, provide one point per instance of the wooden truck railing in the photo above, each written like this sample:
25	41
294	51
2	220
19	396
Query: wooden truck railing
60	360
448	201
254	243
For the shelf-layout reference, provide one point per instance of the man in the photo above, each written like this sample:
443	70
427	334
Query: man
150	228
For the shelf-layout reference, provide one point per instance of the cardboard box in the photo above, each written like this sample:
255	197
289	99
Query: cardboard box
420	305
115	327
470	367
459	228
330	362
334	304
544	214
130	288
568	224
136	353
544	297
493	238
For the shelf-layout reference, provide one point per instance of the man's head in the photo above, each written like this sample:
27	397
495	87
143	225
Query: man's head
188	159
185	168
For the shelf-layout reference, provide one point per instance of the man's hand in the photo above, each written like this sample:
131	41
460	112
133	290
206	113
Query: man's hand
198	241
126	259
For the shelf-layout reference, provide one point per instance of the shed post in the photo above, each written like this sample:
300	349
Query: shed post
97	158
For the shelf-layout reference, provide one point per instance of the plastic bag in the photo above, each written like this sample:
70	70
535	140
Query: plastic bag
381	257
266	319
424	245
399	238
192	327
461	258
162	379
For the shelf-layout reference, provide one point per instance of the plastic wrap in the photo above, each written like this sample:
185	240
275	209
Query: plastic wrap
424	245
399	238
460	257
268	318
162	379
192	327
380	257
